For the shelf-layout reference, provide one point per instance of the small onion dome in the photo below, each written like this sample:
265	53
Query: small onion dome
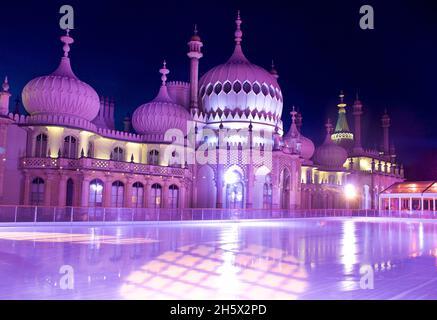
330	155
295	140
195	36
155	118
61	93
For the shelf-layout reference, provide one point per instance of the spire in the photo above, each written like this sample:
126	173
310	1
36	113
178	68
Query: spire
163	93
64	68
342	134
67	40
238	55
273	70
164	72
238	32
342	125
357	112
5	85
328	127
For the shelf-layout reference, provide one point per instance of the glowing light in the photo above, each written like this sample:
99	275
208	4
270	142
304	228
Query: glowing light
231	177
350	191
96	187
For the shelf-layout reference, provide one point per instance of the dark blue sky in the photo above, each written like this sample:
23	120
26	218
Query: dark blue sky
317	46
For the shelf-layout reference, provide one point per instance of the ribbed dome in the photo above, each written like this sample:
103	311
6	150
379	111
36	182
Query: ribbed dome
330	155
61	93
160	115
240	87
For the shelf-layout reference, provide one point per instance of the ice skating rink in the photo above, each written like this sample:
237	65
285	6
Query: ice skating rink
288	259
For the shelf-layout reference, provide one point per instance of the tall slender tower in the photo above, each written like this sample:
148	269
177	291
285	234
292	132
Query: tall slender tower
357	112
4	98
195	54
385	121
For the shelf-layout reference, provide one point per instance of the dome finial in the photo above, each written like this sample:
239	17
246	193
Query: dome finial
164	71
328	127
5	85
67	40
293	115
195	29
238	32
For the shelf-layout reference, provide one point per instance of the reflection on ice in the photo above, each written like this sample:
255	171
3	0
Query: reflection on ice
296	259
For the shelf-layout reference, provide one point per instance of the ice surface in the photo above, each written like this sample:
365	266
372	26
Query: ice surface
293	259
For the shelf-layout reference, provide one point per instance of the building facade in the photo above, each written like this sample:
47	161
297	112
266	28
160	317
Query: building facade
66	150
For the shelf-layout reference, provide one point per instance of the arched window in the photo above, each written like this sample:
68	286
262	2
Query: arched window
41	146
117	154
267	193
70	193
156	196
117	194
153	157
70	147
285	189
173	197
37	192
138	195
234	190
96	193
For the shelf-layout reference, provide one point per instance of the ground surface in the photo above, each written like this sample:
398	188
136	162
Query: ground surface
294	259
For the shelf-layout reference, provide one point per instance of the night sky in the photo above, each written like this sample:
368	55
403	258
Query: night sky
318	48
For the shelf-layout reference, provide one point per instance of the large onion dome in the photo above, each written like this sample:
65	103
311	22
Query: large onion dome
239	91
330	155
61	93
295	141
155	118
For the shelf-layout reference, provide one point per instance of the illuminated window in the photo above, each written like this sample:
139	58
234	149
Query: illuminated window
153	157
37	192
138	195
173	196
156	196
96	193
175	160
117	154
41	146
117	194
70	147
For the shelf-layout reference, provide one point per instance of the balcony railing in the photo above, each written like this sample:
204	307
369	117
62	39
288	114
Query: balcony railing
102	165
32	214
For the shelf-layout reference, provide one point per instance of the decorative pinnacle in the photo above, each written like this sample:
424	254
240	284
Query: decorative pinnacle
5	85
293	115
238	32
67	40
164	71
195	29
341	105
328	126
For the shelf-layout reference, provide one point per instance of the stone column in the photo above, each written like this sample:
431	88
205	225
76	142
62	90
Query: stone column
219	186
107	192
165	192
48	190
85	191
62	196
128	193
146	193
26	189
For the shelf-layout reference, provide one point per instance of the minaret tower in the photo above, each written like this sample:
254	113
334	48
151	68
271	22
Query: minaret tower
4	98
357	112
195	54
385	122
